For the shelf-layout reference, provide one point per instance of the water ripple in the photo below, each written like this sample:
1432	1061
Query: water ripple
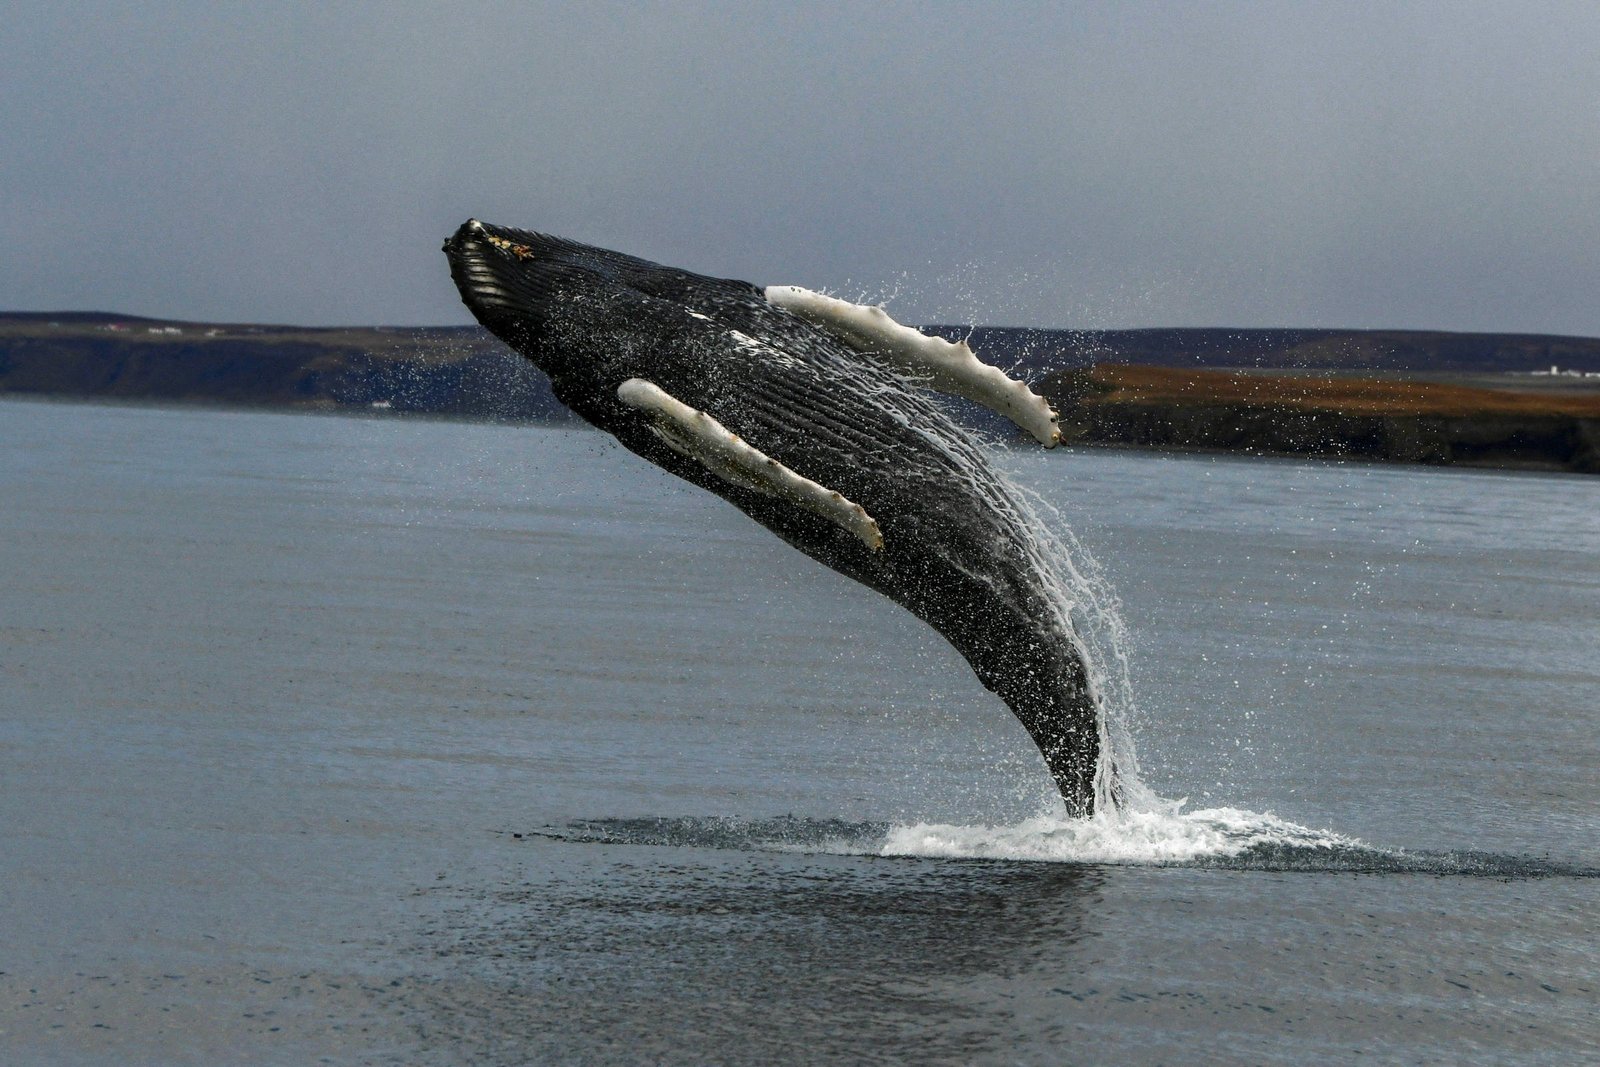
1218	839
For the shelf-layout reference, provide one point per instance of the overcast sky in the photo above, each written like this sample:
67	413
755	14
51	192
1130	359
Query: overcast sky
1061	164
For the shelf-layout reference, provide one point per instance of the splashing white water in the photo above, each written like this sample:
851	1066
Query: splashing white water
1219	836
1086	611
1149	835
1131	824
1089	611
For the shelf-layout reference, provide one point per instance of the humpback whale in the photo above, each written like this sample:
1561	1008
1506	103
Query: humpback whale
810	415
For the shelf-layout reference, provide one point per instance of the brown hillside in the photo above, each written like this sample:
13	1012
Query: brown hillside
1112	383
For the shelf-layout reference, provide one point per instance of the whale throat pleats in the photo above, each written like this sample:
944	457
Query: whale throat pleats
703	439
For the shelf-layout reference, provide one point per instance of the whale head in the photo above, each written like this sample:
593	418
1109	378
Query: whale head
530	289
589	317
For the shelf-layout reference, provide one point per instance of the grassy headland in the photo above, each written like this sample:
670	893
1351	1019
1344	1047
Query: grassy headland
1401	418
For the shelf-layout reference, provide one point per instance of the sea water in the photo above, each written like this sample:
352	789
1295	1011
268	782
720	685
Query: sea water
399	741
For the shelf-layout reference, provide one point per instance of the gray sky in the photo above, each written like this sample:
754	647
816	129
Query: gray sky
1100	164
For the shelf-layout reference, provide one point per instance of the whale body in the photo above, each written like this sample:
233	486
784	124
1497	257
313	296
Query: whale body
811	416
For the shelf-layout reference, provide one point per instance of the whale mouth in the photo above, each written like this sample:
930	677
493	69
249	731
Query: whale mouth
513	279
485	262
506	276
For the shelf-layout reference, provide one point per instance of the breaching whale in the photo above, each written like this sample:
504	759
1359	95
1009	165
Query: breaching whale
808	414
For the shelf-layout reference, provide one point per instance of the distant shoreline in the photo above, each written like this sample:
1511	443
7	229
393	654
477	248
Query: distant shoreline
1396	419
1429	398
1068	446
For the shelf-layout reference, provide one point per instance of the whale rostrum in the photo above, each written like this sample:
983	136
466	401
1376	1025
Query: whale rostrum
700	437
813	417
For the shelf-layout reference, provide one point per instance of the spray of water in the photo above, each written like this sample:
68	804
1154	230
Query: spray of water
1089	611
1131	822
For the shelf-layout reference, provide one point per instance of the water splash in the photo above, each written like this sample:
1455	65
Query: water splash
1150	834
1084	611
1213	839
1148	837
1091	613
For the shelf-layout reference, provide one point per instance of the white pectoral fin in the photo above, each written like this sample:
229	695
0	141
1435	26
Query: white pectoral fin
700	437
949	366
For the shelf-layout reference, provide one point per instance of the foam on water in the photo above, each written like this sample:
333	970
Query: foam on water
1132	824
1148	835
1216	838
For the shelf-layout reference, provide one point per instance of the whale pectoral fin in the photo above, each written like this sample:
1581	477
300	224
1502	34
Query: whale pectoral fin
948	366
700	437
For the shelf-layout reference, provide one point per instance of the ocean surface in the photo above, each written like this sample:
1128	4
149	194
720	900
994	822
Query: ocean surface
390	741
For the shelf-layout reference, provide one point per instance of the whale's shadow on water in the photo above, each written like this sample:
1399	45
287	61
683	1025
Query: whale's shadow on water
726	953
782	940
839	837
